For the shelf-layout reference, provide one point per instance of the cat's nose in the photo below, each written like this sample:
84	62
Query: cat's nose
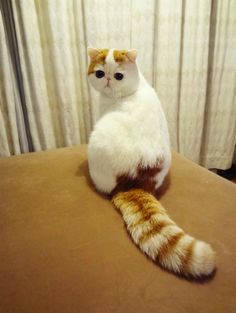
108	81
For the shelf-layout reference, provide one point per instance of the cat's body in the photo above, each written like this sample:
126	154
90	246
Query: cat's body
129	157
137	139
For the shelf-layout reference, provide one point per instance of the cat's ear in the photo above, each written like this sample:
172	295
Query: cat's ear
92	52
132	55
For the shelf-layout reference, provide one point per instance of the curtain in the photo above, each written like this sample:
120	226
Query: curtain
186	51
13	134
53	60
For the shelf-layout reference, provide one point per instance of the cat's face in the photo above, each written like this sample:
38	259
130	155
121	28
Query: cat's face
113	72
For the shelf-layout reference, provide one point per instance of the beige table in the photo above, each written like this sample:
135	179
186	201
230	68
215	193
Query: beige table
65	249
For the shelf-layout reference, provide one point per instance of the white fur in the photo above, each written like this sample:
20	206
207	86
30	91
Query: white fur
203	260
132	131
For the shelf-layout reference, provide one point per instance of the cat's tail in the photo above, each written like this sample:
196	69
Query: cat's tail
160	238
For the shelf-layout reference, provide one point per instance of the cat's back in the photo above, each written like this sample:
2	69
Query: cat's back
131	120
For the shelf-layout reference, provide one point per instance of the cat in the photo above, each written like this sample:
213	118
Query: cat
129	156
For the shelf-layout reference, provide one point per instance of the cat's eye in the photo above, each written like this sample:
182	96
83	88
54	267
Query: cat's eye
118	76
99	74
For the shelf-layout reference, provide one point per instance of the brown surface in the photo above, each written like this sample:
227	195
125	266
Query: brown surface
65	249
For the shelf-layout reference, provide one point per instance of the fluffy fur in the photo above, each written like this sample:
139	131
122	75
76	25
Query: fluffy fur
129	148
160	238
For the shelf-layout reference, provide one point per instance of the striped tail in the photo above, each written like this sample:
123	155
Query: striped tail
160	238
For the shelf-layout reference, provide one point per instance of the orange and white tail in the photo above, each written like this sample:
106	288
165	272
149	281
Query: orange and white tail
160	238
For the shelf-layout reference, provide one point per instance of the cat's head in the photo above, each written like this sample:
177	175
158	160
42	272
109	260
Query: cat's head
113	72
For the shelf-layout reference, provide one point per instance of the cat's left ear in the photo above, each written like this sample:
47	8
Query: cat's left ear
132	55
92	52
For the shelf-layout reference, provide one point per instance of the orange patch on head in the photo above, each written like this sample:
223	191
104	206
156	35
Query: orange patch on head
120	56
98	59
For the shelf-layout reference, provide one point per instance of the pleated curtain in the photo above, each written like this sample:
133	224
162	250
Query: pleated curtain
186	51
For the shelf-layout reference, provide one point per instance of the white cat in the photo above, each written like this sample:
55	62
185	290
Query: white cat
129	156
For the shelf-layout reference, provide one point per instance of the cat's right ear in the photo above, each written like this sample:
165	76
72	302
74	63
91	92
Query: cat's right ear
92	52
132	55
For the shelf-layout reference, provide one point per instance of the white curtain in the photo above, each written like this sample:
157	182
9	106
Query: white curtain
186	51
12	132
53	60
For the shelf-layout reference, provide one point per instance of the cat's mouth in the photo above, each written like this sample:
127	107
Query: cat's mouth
107	85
